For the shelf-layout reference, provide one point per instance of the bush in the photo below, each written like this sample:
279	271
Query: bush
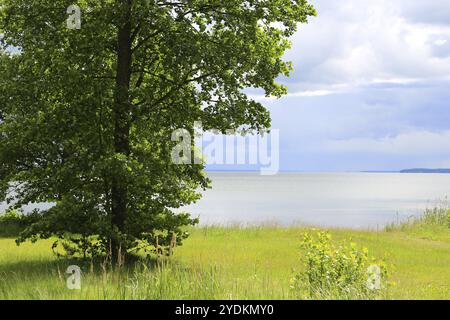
335	273
12	223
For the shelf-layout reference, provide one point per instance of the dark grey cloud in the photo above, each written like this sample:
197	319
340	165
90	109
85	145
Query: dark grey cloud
431	12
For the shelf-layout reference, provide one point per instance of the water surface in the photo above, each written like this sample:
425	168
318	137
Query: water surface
355	200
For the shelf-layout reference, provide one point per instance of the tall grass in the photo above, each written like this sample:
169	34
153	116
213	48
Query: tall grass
233	263
162	280
437	216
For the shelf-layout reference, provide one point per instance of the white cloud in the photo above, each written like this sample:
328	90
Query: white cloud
440	42
307	93
360	41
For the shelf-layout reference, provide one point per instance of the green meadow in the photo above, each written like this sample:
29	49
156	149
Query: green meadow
231	263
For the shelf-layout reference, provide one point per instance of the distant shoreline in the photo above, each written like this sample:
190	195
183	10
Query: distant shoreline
417	170
421	170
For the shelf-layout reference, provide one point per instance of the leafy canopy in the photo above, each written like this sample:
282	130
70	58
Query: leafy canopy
62	109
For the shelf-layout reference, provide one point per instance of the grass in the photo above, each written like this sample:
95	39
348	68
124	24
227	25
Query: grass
234	263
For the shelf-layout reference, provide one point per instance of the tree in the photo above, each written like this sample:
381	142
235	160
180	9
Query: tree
87	114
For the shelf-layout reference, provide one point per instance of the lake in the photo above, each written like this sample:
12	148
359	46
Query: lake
349	200
354	200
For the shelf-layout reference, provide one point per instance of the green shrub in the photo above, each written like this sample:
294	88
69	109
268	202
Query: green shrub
13	223
9	224
337	272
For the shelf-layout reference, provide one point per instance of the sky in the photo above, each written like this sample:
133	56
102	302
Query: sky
370	90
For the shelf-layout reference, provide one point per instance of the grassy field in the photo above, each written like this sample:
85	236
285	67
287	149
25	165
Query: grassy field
230	263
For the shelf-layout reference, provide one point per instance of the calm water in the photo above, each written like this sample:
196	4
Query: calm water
356	200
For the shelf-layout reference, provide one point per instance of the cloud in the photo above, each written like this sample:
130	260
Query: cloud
429	12
370	88
307	93
416	143
354	41
440	46
354	129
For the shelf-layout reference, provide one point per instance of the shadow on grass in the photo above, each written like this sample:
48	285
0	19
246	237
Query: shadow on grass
43	267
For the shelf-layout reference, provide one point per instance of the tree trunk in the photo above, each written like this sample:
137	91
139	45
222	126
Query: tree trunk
119	190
